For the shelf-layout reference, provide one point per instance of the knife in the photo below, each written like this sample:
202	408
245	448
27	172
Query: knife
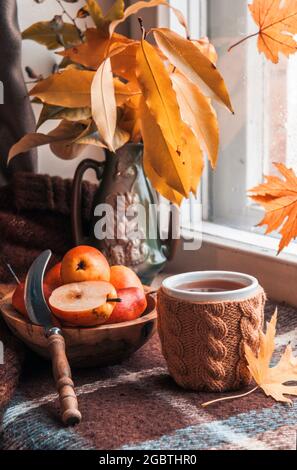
40	314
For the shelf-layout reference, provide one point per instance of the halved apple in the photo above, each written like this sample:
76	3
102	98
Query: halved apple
83	303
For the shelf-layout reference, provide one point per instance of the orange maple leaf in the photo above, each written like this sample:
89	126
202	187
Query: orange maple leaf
277	21
279	199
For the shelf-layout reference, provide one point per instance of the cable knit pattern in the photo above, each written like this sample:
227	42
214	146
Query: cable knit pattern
250	324
203	343
212	331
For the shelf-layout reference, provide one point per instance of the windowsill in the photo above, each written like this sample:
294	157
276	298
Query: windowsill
225	248
252	242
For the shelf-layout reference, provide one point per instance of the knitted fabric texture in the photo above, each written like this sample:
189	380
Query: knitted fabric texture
34	216
13	355
203	343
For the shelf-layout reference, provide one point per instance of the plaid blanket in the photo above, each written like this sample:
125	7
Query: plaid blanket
136	405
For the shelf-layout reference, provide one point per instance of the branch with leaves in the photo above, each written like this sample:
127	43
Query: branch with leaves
111	90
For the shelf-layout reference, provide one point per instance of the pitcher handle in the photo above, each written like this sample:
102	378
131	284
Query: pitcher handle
76	213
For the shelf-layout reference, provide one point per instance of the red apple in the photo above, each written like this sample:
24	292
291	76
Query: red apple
53	277
133	304
83	303
84	263
122	277
18	300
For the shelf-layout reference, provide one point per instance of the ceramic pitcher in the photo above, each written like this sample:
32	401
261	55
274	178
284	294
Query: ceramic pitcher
122	181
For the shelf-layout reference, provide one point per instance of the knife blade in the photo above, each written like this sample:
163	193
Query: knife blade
39	313
35	303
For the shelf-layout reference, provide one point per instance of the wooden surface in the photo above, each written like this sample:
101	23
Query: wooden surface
100	346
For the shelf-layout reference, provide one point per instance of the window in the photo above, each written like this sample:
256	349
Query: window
264	96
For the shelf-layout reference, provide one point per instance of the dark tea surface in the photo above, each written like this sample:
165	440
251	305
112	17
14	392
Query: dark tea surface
211	285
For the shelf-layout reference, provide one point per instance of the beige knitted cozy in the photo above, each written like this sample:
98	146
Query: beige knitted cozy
203	343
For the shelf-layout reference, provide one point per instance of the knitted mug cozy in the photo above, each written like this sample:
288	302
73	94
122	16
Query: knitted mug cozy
203	342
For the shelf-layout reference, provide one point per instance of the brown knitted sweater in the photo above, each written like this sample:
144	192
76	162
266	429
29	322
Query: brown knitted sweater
34	216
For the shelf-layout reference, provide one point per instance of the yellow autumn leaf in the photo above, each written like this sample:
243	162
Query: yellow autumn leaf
198	113
272	379
206	48
93	8
160	97
104	109
49	112
51	35
189	60
66	131
116	11
92	52
124	63
102	22
129	118
194	153
161	157
160	185
125	91
70	88
137	6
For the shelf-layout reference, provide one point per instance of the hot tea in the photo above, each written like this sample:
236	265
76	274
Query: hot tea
211	285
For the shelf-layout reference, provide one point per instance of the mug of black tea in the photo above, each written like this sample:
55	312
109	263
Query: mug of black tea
204	320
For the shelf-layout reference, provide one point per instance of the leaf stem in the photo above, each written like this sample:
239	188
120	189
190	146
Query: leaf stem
65	12
140	20
229	398
243	39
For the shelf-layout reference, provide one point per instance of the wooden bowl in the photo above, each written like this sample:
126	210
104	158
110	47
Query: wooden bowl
97	346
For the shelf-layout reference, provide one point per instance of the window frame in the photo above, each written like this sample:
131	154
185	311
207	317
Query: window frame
224	247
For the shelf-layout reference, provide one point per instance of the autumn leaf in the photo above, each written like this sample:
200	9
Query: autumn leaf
70	88
189	60
104	110
193	152
129	118
161	159
207	49
198	113
161	186
136	7
272	380
160	98
52	34
124	64
277	22
65	132
92	52
115	13
93	8
279	199
49	112
125	91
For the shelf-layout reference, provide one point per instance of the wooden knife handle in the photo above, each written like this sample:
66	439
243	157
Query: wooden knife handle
63	379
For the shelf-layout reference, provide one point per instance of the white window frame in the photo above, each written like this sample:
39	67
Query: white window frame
225	247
